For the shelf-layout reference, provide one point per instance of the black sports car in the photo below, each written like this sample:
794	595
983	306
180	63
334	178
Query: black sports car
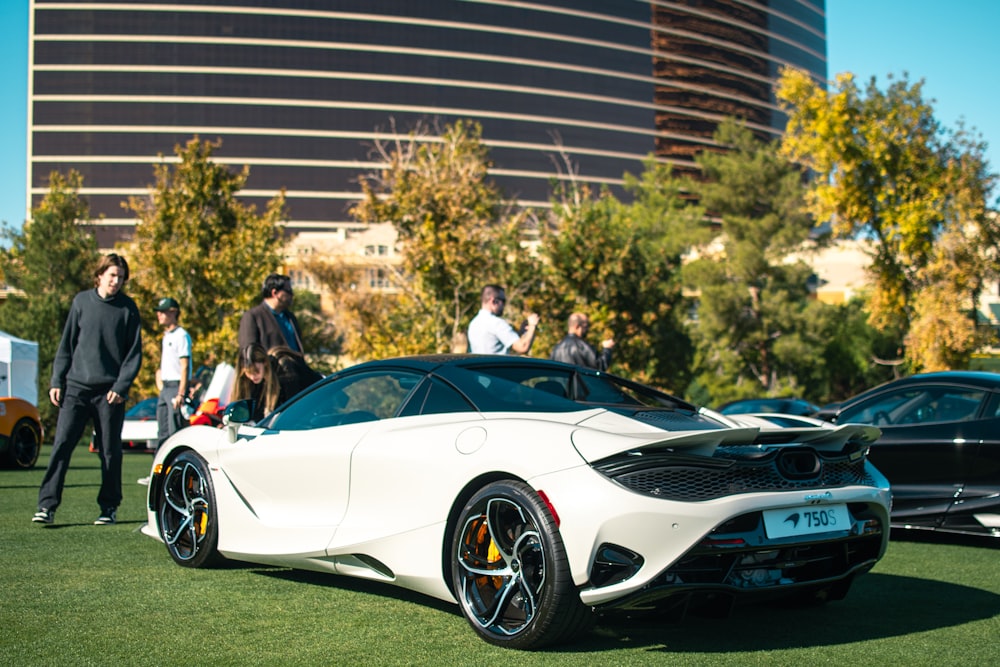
940	448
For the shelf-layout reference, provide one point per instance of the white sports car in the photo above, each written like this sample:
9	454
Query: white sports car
531	492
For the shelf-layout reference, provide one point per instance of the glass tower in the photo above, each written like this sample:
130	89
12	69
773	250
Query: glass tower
300	90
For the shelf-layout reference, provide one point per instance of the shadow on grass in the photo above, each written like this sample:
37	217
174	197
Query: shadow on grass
33	485
138	523
879	606
359	586
932	537
95	485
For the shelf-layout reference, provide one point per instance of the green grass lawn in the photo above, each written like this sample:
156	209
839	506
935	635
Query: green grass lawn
79	594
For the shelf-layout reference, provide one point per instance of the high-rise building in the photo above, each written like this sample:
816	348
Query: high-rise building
301	90
719	58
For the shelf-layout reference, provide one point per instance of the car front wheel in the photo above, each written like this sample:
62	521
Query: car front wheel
186	512
510	572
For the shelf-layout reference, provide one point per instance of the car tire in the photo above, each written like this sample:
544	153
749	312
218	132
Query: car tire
510	573
24	444
186	512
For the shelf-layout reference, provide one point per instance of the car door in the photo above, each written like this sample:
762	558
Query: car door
977	508
295	473
928	446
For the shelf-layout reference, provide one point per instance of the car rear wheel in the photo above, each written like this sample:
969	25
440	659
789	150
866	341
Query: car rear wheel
24	445
510	572
186	512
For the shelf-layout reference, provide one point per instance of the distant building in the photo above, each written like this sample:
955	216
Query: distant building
300	90
841	271
369	251
841	274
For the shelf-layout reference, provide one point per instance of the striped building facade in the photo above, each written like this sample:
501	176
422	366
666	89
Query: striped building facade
301	90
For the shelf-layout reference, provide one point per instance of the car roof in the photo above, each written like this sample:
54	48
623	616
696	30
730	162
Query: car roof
985	379
431	362
428	362
979	379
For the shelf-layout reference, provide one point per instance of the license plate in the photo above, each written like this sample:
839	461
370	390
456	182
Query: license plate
794	521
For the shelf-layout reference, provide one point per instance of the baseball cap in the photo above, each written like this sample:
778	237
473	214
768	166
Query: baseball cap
167	303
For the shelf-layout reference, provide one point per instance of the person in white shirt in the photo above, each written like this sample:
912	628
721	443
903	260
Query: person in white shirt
489	333
174	373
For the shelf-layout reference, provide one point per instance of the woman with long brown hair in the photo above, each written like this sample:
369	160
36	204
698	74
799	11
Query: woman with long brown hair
257	380
270	377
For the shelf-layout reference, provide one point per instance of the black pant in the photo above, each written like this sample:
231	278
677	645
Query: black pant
78	407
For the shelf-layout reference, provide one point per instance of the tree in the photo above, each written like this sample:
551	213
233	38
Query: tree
620	263
886	169
851	349
46	263
197	242
455	234
940	335
754	330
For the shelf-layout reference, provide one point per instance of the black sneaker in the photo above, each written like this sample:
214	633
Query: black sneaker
44	516
107	517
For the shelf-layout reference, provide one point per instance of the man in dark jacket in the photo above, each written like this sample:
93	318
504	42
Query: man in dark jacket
573	349
98	358
270	323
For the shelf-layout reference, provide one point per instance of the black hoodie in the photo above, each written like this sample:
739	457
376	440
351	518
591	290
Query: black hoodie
101	344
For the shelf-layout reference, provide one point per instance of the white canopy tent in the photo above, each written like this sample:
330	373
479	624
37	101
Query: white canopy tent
18	368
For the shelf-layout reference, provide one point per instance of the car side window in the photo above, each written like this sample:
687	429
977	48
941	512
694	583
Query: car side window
493	387
348	400
441	399
957	405
917	406
993	407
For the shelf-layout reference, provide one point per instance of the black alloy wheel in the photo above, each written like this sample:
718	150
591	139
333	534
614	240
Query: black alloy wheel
186	512
510	573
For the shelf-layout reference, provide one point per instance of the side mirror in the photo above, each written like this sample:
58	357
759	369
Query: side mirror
236	413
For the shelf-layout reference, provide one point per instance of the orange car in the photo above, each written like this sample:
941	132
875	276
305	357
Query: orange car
20	433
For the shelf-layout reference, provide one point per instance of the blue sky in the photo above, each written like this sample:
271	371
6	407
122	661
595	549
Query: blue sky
950	45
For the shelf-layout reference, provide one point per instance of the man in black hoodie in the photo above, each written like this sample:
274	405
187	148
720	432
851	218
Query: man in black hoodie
98	358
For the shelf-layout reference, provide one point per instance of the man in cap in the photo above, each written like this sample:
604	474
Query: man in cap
174	373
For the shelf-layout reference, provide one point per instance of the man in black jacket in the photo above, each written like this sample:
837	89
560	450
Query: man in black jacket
98	358
573	349
271	322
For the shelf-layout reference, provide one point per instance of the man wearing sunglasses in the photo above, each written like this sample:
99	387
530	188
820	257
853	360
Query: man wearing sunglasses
489	333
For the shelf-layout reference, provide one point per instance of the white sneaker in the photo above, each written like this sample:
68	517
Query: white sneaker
143	480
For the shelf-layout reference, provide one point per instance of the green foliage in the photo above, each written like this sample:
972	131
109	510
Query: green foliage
620	264
856	356
197	242
46	263
455	234
320	338
754	329
886	169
